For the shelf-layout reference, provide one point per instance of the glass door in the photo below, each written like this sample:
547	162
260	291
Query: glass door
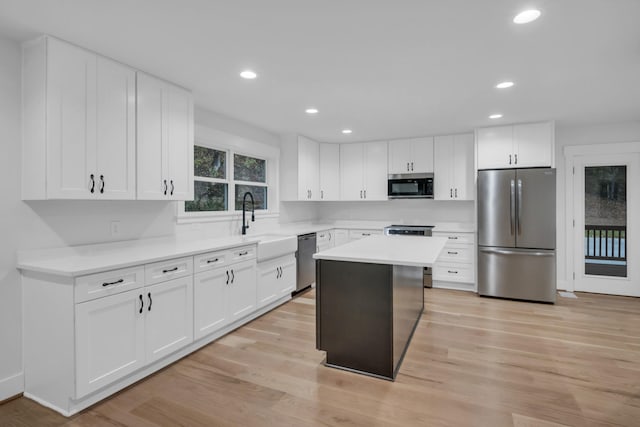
606	220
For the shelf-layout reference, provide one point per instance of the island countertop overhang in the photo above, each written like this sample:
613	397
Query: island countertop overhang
411	251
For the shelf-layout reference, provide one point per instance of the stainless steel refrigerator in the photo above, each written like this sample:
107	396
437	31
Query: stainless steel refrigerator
517	234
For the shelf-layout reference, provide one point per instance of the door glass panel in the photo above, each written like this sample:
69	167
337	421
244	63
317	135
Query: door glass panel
605	207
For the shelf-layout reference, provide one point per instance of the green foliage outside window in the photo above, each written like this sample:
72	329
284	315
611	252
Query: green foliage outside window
249	169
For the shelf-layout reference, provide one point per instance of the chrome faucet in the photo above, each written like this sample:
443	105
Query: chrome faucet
245	224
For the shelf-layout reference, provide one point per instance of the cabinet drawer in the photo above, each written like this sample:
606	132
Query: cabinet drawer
452	272
108	283
457	254
361	234
324	236
167	270
456	237
242	254
210	260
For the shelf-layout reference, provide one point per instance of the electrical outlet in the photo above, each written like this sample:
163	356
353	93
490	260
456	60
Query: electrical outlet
115	228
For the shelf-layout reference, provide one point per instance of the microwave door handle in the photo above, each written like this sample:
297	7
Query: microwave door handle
512	206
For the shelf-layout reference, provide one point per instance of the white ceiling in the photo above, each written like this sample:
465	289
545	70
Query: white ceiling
386	69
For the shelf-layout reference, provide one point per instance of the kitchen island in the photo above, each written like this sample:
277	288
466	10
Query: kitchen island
369	300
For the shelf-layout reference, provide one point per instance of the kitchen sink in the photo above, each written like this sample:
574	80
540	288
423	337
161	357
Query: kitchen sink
275	245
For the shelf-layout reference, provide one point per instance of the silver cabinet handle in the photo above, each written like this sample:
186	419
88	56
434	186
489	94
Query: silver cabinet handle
516	157
525	253
519	206
512	206
509	158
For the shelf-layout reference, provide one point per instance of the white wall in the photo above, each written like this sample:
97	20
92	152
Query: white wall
581	135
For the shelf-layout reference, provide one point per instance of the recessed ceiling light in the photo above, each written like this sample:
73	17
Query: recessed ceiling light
311	111
504	85
495	116
346	131
526	16
248	74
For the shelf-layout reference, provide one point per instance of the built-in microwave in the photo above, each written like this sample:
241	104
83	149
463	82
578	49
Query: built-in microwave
410	186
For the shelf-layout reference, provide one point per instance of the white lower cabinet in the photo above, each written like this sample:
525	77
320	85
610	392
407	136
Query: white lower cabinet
241	292
117	334
209	301
168	317
276	279
455	267
109	340
340	236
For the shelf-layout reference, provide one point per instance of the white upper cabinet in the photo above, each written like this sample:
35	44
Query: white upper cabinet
308	169
329	171
516	146
363	171
79	124
165	140
413	155
453	175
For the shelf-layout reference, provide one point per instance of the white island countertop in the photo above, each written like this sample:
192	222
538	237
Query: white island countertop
392	250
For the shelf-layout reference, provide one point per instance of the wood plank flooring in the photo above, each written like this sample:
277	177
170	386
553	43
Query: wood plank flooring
472	362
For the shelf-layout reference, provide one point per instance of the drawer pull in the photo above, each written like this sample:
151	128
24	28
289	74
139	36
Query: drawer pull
141	304
243	253
170	270
453	237
150	300
452	272
452	253
113	283
233	277
366	234
227	277
209	261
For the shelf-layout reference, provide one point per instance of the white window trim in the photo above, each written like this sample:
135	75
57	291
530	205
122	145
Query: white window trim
263	152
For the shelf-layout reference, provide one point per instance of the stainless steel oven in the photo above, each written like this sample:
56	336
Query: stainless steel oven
410	186
414	230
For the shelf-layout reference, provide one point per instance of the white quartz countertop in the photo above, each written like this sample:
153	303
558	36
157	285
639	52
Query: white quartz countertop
298	228
394	250
88	259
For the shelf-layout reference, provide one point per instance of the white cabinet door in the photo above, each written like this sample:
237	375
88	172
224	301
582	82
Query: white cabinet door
169	317
150	180
165	140
308	169
463	170
109	339
443	167
351	171
400	156
209	290
375	173
268	275
242	291
287	281
115	130
70	121
533	144
421	155
179	142
329	171
495	147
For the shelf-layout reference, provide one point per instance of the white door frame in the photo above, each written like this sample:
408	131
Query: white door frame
572	154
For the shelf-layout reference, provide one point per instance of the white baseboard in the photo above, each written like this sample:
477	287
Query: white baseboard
11	386
458	286
563	285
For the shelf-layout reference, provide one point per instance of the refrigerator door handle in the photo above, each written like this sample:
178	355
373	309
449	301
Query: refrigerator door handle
519	206
512	206
507	252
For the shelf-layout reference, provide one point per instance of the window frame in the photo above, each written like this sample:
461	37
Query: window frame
270	184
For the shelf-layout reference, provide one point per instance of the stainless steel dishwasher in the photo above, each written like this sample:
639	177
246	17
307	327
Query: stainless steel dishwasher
306	264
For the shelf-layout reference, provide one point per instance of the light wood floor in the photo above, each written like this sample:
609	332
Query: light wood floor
472	362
